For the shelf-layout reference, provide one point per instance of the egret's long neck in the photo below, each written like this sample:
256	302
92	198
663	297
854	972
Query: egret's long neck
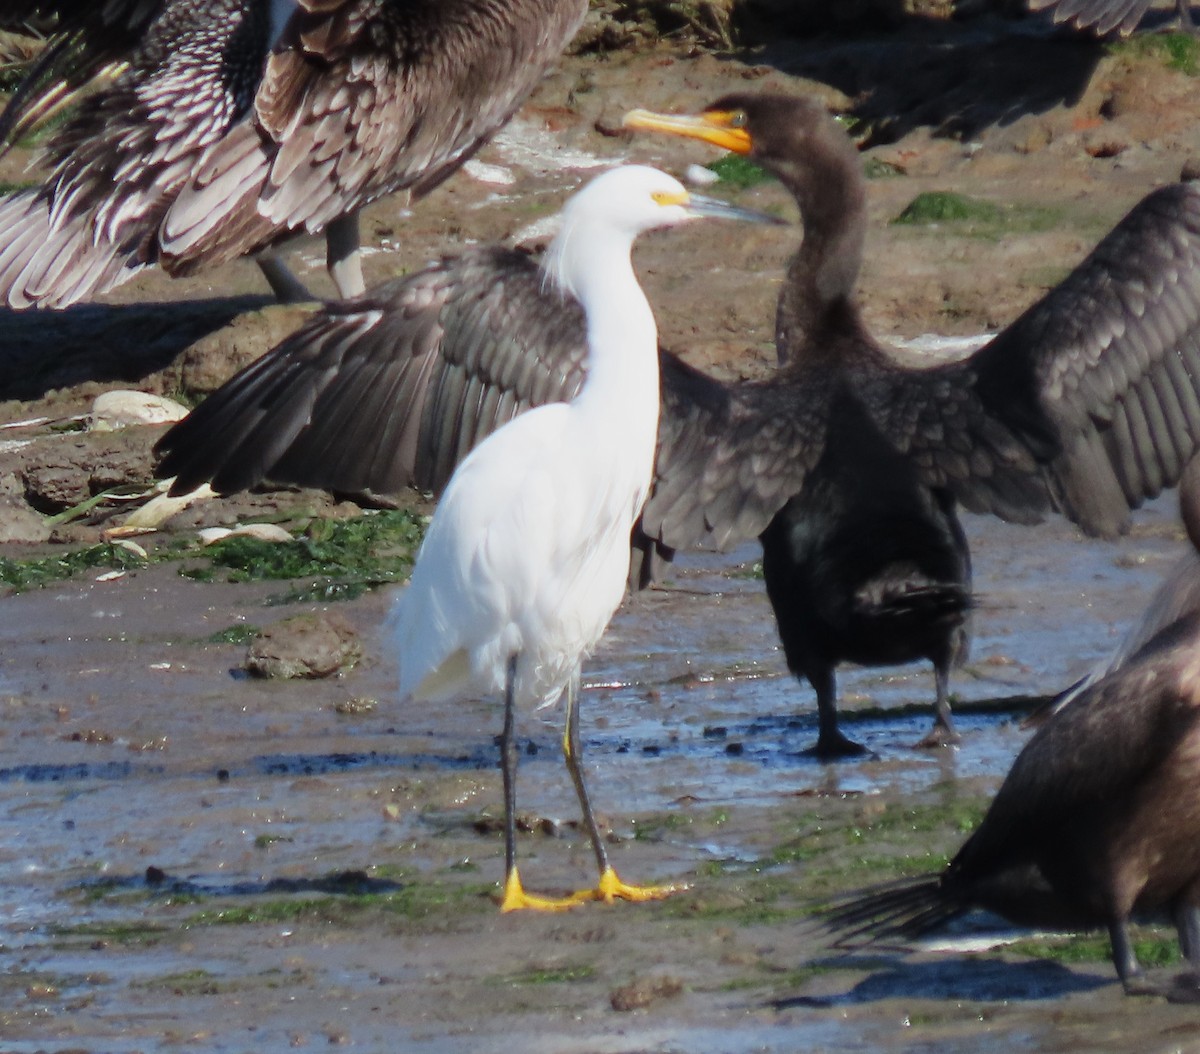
622	336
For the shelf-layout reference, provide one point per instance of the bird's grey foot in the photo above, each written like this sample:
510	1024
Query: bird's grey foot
830	746
1182	988
938	736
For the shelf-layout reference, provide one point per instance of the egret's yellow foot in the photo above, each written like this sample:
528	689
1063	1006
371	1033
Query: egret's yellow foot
610	888
516	899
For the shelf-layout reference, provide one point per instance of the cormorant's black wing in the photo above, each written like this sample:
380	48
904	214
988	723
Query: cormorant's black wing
1089	403
1102	16
729	455
391	389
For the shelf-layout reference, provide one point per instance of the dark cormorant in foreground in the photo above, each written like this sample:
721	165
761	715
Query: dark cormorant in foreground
847	464
1177	597
1098	819
1107	16
222	127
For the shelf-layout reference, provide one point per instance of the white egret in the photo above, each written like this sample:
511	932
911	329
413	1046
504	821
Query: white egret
526	558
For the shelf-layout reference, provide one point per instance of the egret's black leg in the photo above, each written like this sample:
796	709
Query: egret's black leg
610	887
515	897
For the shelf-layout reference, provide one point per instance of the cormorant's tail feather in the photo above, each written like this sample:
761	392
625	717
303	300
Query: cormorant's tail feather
904	909
926	604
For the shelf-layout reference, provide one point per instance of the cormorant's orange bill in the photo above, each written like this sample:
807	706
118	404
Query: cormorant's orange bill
723	128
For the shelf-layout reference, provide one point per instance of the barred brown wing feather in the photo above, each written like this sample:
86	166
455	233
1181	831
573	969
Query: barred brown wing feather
373	395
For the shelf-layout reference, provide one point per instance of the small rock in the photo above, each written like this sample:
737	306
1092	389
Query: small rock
304	646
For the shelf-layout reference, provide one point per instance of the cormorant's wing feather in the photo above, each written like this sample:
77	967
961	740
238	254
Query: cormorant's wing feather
391	389
937	417
1103	16
729	456
1090	753
1089	403
1111	359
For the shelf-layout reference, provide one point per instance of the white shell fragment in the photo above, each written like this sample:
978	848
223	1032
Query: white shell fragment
264	532
159	509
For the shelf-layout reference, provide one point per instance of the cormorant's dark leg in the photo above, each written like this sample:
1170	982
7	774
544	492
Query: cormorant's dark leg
1187	924
831	743
342	258
1186	987
943	733
515	897
610	887
1122	952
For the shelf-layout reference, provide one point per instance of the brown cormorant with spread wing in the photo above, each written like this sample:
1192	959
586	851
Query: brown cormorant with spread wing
848	465
223	127
1098	819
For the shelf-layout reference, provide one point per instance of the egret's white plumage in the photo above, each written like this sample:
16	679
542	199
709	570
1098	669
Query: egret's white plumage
525	561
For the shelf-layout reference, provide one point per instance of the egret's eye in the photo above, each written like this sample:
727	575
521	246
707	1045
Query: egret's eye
669	197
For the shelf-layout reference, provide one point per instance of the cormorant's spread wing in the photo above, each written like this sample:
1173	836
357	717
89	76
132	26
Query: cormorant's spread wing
1102	16
1089	403
391	389
729	456
1111	358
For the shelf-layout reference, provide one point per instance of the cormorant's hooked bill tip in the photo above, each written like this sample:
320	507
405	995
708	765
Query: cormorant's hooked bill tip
723	128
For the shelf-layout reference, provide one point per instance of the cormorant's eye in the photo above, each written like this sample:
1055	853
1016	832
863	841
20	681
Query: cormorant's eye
737	119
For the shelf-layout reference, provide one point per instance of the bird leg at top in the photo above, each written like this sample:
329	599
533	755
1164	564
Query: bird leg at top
342	258
515	898
610	887
943	732
288	289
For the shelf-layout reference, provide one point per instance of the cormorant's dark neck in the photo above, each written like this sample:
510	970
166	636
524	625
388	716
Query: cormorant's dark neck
817	304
